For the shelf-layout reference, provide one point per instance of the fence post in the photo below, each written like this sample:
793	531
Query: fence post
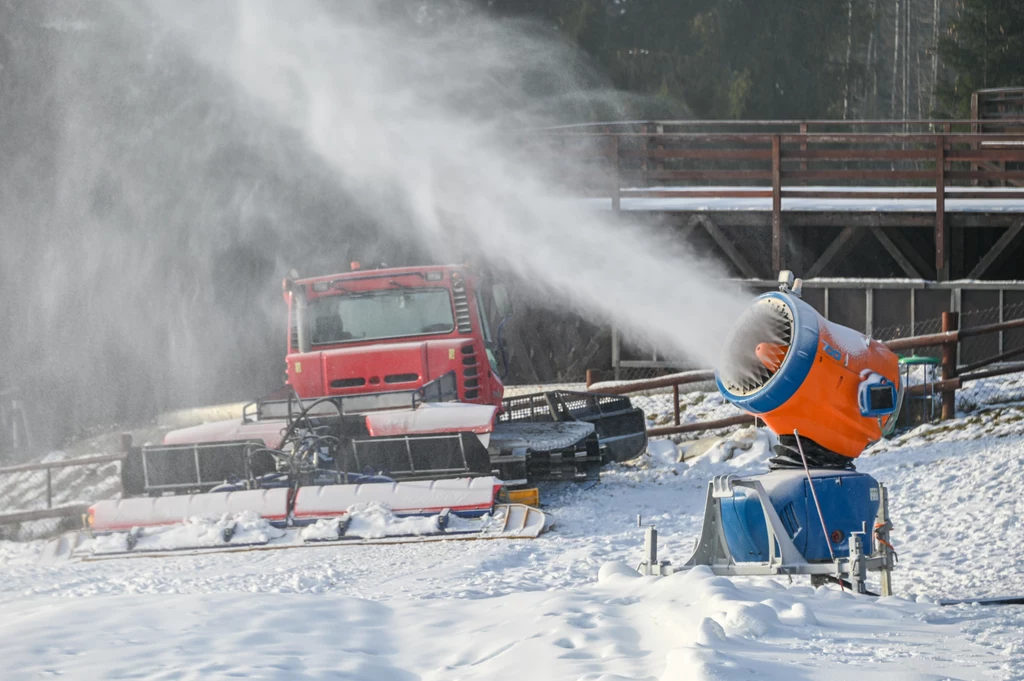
591	377
616	174
675	403
950	322
778	259
646	155
49	489
803	145
616	353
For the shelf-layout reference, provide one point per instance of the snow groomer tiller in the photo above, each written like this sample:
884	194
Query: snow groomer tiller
827	392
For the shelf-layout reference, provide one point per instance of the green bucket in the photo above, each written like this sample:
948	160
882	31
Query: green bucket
918	409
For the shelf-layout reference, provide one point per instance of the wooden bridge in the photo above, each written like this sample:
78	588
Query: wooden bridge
921	199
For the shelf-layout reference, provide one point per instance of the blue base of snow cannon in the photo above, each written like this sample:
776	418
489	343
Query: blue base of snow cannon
849	503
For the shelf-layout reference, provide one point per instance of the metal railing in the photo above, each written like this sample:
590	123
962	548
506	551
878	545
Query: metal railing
66	511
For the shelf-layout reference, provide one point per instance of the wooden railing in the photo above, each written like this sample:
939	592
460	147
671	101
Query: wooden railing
911	159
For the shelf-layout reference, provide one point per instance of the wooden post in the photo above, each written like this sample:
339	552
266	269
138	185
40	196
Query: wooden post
803	145
660	130
645	159
591	377
49	489
675	403
616	175
616	353
778	261
941	255
950	322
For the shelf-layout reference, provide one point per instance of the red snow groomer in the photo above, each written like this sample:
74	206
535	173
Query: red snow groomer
394	396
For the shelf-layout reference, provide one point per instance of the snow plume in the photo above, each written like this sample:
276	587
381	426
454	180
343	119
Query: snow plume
166	163
418	113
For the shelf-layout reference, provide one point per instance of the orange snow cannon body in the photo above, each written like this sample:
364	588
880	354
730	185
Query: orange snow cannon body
797	371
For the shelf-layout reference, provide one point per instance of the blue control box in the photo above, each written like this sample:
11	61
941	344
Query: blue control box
849	503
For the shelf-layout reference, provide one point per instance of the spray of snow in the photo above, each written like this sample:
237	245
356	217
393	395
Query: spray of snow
418	121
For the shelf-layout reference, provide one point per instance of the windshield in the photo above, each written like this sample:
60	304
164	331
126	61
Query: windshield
380	314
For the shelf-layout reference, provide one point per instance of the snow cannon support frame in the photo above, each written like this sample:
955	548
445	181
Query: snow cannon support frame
712	548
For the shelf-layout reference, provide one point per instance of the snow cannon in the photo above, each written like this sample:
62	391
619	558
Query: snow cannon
827	392
800	373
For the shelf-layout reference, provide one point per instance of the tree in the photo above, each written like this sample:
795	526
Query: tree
982	49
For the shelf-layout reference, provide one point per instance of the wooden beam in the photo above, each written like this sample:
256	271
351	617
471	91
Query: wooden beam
908	250
725	243
897	255
71	511
62	463
846	238
1000	249
1000	168
700	426
687	227
822	219
957	268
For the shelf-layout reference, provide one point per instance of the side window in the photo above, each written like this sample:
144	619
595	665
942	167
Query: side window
485	324
485	316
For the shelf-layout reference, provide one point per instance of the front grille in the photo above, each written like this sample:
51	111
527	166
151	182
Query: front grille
470	372
462	319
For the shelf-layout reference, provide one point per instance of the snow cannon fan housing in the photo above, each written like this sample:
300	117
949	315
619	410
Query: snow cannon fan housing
788	365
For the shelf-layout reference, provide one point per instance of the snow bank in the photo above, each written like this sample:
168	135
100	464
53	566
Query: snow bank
372	520
245	527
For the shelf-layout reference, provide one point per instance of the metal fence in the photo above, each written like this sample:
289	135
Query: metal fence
48	495
974	353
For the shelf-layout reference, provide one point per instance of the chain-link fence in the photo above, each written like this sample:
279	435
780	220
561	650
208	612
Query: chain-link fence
1001	349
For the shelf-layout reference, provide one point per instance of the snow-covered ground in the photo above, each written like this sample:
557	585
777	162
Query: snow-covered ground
565	606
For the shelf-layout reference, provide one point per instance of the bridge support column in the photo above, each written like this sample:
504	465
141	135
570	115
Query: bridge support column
941	234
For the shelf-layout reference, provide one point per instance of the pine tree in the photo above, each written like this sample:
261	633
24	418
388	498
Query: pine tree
983	48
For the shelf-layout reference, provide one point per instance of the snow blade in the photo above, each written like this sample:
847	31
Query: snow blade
366	524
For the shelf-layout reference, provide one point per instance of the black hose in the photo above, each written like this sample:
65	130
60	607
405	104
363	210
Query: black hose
290	430
843	582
